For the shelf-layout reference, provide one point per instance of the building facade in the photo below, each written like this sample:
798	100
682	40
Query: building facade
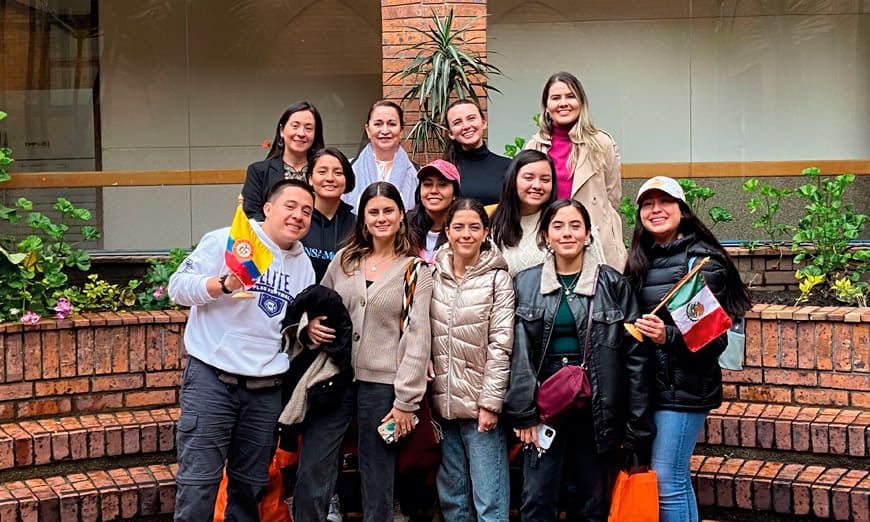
148	112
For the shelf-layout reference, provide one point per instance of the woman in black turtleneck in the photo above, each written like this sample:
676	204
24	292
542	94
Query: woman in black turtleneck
482	171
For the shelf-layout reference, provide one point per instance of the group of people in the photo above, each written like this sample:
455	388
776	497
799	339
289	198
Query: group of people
465	283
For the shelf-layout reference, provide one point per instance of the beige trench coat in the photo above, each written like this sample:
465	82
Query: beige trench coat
600	192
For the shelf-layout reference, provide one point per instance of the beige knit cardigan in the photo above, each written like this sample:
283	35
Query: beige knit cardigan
378	353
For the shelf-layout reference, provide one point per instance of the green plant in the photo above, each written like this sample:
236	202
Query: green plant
697	198
32	276
5	157
807	282
823	234
767	201
628	211
848	292
512	149
443	69
155	295
100	295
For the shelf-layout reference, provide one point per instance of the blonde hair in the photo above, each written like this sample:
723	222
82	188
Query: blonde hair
582	131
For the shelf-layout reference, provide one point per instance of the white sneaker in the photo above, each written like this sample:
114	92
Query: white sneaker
334	514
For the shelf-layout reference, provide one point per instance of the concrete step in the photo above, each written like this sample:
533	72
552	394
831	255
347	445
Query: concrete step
115	494
48	441
830	431
789	488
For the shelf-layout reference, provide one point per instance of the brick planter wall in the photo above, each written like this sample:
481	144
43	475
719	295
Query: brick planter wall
91	363
808	355
768	269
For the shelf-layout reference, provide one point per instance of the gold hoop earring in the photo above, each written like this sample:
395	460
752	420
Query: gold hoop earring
402	228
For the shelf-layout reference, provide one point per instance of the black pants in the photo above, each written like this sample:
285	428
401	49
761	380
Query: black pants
322	436
377	459
571	457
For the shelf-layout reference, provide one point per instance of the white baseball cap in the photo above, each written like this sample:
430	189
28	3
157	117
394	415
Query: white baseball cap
665	184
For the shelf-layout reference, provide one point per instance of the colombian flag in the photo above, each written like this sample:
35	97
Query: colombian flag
697	313
246	255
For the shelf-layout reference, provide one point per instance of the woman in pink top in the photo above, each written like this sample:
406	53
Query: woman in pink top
587	162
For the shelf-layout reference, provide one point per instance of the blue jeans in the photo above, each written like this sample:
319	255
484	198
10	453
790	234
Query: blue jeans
474	467
222	424
676	432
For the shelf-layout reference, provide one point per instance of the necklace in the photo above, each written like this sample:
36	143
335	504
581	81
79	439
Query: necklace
374	265
569	288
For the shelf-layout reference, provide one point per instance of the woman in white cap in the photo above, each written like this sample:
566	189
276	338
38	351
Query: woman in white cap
439	186
588	167
668	238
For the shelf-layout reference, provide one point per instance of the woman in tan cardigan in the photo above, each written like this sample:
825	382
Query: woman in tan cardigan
389	362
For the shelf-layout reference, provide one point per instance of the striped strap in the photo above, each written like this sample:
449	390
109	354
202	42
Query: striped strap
408	290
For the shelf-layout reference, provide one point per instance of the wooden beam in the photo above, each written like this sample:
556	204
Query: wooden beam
742	169
157	178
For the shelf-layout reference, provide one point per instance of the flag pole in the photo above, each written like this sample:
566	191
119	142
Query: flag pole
632	329
243	293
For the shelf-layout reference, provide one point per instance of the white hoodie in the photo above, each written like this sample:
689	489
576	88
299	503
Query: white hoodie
240	336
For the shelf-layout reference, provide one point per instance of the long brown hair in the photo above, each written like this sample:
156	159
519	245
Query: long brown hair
360	242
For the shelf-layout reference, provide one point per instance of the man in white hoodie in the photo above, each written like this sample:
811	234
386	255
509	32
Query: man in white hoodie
231	387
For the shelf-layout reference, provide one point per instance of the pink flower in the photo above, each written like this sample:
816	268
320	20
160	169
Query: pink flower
266	144
159	292
63	308
30	318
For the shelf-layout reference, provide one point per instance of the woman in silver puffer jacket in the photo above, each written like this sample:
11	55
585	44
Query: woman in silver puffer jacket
472	321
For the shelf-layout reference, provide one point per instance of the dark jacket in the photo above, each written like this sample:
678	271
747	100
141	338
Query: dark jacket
482	173
259	179
326	236
685	381
619	367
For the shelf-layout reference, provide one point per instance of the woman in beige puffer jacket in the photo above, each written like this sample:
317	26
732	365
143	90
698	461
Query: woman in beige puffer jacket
472	317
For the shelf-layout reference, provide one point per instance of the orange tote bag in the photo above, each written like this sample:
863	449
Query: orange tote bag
635	496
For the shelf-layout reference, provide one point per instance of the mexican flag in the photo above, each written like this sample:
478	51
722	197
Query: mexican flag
697	313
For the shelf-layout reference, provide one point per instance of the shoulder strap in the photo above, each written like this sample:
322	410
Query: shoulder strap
589	318
408	288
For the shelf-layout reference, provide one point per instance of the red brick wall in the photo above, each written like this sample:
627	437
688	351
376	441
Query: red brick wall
398	17
93	363
805	356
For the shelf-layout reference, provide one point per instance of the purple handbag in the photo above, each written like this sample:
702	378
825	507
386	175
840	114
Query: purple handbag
569	388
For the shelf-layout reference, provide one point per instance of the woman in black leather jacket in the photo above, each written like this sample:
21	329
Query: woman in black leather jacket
667	238
550	330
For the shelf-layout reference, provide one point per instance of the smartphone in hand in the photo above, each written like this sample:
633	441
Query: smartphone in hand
546	434
387	429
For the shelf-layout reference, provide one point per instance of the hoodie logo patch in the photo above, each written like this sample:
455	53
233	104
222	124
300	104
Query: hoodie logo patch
271	305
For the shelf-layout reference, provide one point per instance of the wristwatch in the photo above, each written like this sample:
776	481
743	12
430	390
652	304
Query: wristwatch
223	281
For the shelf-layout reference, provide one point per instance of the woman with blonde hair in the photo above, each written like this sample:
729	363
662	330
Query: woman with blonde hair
588	166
